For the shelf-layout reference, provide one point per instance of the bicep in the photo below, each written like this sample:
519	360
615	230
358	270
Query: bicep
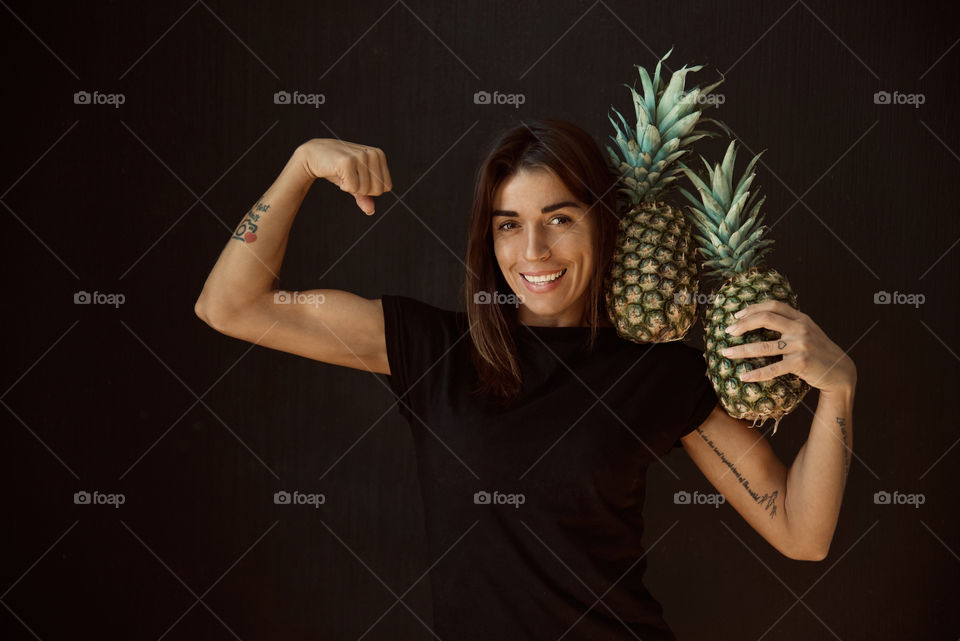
328	325
739	462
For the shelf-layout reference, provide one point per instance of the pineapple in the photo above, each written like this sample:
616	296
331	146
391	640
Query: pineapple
730	240
650	289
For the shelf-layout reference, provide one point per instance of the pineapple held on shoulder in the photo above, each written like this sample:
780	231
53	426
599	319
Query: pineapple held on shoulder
729	233
651	286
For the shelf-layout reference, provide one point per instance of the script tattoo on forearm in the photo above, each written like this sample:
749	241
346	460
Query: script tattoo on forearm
767	500
247	229
842	422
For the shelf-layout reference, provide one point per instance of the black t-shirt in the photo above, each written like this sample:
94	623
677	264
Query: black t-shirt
534	512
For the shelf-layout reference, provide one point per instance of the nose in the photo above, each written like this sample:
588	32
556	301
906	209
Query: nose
537	247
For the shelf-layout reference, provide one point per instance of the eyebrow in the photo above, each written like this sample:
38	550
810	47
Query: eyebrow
545	210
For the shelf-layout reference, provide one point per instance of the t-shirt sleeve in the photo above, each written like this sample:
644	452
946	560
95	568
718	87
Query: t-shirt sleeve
418	336
700	398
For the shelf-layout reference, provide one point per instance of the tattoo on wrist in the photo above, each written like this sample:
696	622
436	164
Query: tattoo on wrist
247	229
767	499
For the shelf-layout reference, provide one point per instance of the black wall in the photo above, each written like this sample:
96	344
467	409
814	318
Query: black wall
197	430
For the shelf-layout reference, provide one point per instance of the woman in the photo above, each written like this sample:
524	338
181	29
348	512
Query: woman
533	422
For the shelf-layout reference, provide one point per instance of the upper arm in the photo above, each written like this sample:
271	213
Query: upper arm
739	462
328	325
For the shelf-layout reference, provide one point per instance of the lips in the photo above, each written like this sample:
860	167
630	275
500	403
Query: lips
557	275
543	273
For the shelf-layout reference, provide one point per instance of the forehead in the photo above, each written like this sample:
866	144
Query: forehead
530	189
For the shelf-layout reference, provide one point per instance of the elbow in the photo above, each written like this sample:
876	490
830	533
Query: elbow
818	556
200	308
820	553
209	314
807	553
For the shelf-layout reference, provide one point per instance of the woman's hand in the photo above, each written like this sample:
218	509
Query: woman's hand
806	350
359	170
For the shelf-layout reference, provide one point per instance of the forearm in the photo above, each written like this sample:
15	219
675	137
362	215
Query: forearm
251	260
818	475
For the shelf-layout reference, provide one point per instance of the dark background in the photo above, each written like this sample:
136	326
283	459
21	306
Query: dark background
198	430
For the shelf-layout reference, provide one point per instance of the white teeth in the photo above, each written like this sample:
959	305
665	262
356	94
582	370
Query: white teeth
544	279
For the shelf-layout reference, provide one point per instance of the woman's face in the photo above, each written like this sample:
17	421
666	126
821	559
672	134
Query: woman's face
540	229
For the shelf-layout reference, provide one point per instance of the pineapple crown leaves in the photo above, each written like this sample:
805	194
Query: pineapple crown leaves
665	119
730	239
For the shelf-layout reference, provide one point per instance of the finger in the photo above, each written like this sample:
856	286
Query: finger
365	203
384	171
782	308
363	171
372	163
764	348
766	373
376	173
349	180
769	320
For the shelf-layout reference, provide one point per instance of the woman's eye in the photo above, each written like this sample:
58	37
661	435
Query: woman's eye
563	220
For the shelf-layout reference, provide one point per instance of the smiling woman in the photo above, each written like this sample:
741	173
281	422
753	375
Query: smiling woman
544	203
545	247
533	422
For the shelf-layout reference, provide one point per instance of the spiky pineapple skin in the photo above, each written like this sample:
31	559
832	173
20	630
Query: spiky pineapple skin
751	400
651	288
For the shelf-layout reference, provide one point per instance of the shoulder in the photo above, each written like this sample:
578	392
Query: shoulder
407	319
684	353
412	305
674	353
415	309
674	368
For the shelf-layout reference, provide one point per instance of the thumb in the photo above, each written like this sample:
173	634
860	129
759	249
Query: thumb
365	203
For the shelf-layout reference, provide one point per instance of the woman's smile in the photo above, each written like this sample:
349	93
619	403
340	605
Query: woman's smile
541	281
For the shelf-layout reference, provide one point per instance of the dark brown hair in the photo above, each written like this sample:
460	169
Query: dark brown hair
575	158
